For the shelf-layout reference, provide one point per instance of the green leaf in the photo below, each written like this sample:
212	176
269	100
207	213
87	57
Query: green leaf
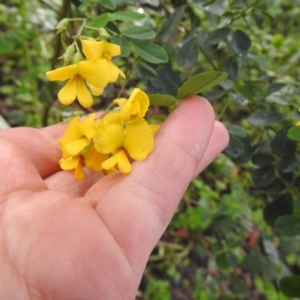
109	4
162	100
237	131
125	46
171	25
235	147
288	225
283	205
276	187
100	21
187	54
226	260
290	286
127	16
85	4
262	159
253	262
241	42
139	32
200	83
150	52
263	176
294	133
287	164
282	145
265	118
218	35
275	87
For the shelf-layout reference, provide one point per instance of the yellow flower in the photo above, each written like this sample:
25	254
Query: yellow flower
122	140
95	73
78	148
135	107
94	50
297	123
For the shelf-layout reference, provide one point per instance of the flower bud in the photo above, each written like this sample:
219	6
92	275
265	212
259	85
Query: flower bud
77	58
62	25
68	55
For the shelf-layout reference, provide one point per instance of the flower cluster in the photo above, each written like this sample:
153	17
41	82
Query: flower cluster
111	142
94	71
120	136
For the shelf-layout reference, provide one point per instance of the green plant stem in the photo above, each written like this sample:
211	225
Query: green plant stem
224	108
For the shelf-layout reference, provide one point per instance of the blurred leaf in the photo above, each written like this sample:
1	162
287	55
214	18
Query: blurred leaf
288	225
263	176
253	262
294	133
200	83
162	100
288	178
100	21
226	260
125	46
262	159
171	25
109	4
290	286
276	187
215	37
241	42
233	69
150	52
237	131
139	32
127	16
238	98
85	4
275	87
282	145
287	164
271	251
214	95
283	205
235	147
264	118
187	54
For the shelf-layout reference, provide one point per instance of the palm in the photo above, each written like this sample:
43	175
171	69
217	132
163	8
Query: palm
62	239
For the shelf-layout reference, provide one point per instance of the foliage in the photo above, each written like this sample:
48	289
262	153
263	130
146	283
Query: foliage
236	233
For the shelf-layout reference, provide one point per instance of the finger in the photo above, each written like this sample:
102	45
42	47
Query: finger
217	143
17	171
138	207
65	182
40	145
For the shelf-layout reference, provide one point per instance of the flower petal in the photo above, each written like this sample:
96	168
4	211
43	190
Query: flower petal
114	72
67	94
110	133
63	73
119	160
93	160
96	91
76	147
69	164
83	95
139	141
92	49
87	126
79	172
95	72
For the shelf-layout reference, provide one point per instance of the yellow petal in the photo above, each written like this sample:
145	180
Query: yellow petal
92	49
119	160
76	147
95	72
63	73
154	128
87	126
111	50
69	164
139	141
120	101
135	107
96	91
93	160
83	95
79	173
114	71
110	133
67	94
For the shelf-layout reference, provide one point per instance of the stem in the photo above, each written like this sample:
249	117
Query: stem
224	109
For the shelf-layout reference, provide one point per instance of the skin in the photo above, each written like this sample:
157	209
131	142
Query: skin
91	239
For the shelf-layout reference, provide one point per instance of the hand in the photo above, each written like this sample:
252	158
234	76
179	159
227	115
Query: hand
91	239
